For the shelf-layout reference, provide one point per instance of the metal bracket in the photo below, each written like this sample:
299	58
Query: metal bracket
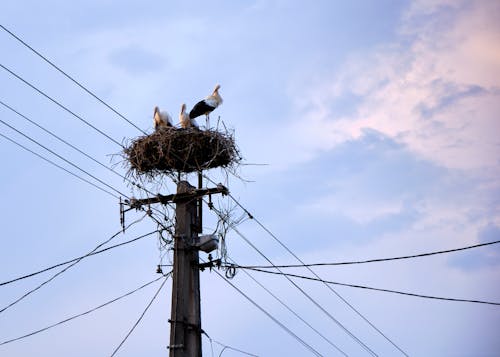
176	347
187	324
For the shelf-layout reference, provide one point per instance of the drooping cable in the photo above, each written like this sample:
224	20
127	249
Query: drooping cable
66	268
212	341
378	289
280	324
75	259
36	332
315	274
291	310
375	260
226	347
308	296
142	315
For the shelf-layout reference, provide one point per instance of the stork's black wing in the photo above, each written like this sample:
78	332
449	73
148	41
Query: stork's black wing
200	108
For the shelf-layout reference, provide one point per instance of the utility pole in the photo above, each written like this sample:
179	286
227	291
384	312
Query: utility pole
185	320
185	328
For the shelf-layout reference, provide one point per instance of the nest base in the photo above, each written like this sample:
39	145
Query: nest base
172	150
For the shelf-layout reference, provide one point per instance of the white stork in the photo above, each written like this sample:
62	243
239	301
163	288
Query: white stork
161	119
207	105
184	119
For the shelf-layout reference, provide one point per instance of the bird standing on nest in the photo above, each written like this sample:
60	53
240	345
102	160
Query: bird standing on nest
161	119
184	119
207	105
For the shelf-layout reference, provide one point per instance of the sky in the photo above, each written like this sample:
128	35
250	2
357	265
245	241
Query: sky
368	130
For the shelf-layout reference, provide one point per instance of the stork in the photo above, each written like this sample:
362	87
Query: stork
207	105
184	119
161	119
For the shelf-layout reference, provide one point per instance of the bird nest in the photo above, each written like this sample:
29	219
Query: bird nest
171	150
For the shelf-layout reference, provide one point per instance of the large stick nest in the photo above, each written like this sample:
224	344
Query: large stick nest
171	150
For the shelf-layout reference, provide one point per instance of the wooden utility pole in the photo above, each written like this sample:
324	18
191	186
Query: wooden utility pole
185	329
185	320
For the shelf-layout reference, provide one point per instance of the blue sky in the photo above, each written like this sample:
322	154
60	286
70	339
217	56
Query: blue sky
377	122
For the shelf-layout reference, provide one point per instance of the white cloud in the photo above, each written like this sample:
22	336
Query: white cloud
439	95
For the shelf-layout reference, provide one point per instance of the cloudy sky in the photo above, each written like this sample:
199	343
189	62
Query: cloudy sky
377	122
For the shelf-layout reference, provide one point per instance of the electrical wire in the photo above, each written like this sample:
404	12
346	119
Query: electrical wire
78	315
378	289
292	311
314	273
72	164
309	297
75	259
280	324
66	268
142	315
374	260
71	145
79	85
60	105
61	157
225	346
58	166
70	77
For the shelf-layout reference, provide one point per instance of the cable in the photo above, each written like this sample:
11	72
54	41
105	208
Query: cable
316	275
61	157
305	344
142	315
377	289
58	166
292	311
233	349
60	105
75	259
69	77
65	269
71	145
69	162
309	297
225	346
78	315
374	260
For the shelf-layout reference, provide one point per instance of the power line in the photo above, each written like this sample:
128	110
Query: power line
67	171
70	78
374	260
316	275
71	145
309	297
377	289
69	162
318	305
290	332
75	259
61	157
58	166
79	315
142	315
65	269
226	347
60	105
292	311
